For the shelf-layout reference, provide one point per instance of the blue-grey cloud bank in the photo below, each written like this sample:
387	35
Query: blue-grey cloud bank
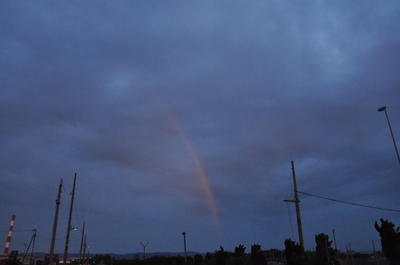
184	116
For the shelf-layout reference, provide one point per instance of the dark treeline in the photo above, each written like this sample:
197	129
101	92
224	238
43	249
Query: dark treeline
293	254
218	257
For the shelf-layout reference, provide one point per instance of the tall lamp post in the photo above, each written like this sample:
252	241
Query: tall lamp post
184	243
390	127
144	249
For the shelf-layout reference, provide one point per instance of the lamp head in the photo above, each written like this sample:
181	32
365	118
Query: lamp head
382	108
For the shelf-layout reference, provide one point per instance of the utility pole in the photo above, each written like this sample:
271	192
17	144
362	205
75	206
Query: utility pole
53	238
80	251
351	254
29	246
84	250
69	222
296	201
334	238
375	255
327	250
33	245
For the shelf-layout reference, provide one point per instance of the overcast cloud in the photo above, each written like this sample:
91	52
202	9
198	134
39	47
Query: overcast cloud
185	116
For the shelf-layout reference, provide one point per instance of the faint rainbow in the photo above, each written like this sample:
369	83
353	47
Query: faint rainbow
199	166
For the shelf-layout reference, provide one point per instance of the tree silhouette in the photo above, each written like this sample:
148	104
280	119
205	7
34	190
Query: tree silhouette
209	258
390	241
221	256
239	256
294	253
257	256
240	251
324	254
198	259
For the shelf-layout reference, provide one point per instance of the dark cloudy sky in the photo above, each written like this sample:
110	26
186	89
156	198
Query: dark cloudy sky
185	116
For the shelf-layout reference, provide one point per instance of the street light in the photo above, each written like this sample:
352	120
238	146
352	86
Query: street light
144	248
184	243
390	128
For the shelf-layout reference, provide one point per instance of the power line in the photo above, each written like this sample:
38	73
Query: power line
351	203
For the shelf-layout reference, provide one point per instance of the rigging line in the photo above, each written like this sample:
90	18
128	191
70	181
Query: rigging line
351	203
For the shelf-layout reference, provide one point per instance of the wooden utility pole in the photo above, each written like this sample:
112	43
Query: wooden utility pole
80	251
351	254
375	255
296	201
328	258
33	245
334	238
69	222
29	247
84	251
53	238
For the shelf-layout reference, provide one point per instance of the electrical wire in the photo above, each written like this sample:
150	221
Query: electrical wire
351	203
65	190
